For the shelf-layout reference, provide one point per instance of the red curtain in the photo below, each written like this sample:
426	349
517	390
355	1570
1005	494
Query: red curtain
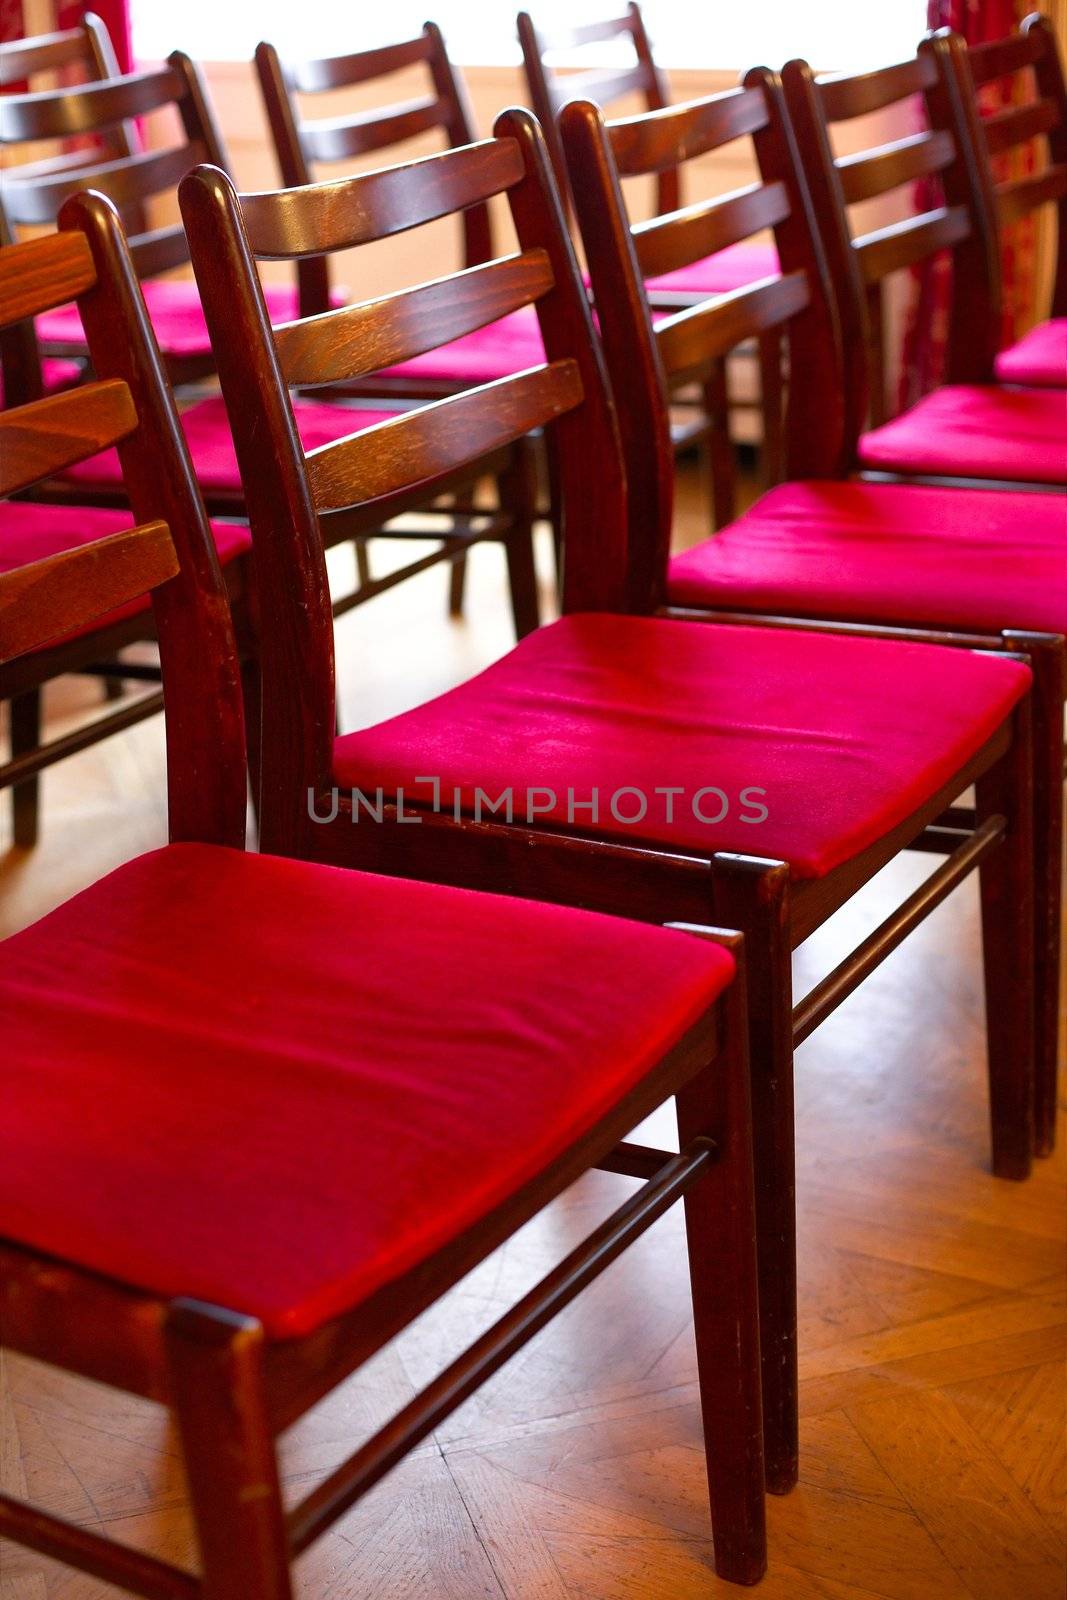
927	318
115	14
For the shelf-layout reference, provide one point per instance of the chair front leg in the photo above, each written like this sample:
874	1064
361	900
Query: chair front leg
1008	919
752	895
25	739
721	1230
216	1365
1048	662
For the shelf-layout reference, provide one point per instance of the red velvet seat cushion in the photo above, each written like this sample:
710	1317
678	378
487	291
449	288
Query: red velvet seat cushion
976	431
887	552
276	1086
207	431
1039	358
718	274
30	532
176	313
510	345
846	736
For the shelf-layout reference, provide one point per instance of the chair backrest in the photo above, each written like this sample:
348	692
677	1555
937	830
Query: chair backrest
860	262
305	144
33	196
550	89
1033	113
646	359
169	553
88	50
360	481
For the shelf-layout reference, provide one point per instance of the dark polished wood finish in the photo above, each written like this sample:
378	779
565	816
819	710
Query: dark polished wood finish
566	865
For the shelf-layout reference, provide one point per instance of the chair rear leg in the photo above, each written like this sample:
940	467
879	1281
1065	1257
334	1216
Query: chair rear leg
25	739
721	1229
719	450
216	1364
517	496
753	895
770	367
1008	918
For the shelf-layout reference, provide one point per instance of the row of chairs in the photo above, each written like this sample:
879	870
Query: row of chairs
569	804
136	179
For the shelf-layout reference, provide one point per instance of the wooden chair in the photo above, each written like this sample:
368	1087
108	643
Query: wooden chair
142	179
904	560
1030	56
304	145
720	272
970	428
556	773
238	1292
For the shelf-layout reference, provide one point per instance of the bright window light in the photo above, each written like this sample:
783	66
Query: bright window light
724	34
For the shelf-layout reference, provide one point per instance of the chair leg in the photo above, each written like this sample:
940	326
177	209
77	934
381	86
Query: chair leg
721	1229
216	1365
363	573
457	583
1007	891
517	495
752	895
770	367
719	449
26	796
1048	662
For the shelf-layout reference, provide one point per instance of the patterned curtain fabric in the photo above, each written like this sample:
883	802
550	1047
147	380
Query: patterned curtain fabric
927	317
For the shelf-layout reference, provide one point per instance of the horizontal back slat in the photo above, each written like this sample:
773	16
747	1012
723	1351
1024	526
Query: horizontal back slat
160	250
999	57
344	138
664	244
661	139
874	172
49	599
125	181
1019	196
902	244
24	58
689	340
600	86
343	72
858	94
437	439
355	340
1018	124
350	211
46	436
584	33
49	115
42	273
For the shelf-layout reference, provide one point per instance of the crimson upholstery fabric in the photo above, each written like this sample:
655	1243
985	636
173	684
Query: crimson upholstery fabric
30	532
979	431
276	1086
510	345
887	552
719	274
207	431
1039	358
846	736
177	316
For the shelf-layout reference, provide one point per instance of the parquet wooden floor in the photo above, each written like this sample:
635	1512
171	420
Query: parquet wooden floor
932	1297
